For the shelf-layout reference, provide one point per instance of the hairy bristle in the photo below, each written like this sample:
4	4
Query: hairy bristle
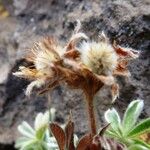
45	53
100	57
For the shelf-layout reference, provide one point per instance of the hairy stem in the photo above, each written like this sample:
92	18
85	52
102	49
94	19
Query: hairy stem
91	113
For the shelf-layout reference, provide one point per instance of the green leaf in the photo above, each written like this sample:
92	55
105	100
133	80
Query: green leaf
52	112
111	133
26	145
112	117
131	115
38	121
21	141
137	147
41	133
38	139
26	130
142	127
142	143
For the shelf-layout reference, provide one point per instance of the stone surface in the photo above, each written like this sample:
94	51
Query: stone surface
127	22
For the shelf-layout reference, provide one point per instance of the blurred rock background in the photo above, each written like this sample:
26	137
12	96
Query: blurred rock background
24	21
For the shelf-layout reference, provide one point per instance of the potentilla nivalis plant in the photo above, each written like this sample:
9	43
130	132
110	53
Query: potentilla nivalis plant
88	66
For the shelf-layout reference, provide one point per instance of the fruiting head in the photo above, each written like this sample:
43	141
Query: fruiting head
99	57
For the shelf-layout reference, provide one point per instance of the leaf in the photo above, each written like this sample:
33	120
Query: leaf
142	143
26	130
84	142
38	121
59	135
40	133
21	141
112	117
131	115
111	133
41	120
52	112
137	147
140	128
25	145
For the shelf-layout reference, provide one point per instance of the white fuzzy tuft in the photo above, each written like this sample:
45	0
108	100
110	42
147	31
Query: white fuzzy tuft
99	57
44	58
37	83
18	74
41	120
78	36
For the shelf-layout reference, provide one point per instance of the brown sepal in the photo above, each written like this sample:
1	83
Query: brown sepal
64	138
121	51
115	91
84	142
59	134
73	54
102	131
69	132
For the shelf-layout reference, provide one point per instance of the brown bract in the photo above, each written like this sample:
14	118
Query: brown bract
65	139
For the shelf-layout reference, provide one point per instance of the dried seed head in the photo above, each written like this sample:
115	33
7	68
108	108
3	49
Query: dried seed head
45	53
100	57
96	62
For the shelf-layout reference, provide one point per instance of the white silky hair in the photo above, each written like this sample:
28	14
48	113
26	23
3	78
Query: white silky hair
100	57
37	83
45	58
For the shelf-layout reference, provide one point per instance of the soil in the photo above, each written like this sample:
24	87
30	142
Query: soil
126	22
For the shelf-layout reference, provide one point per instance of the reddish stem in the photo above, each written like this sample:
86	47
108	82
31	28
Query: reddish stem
91	113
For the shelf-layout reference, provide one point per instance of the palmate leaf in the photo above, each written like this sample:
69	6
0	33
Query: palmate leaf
112	117
39	137
142	127
131	115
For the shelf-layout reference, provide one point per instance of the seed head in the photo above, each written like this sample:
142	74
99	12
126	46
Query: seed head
87	67
100	57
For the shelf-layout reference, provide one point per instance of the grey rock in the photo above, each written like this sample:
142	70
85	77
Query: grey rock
127	22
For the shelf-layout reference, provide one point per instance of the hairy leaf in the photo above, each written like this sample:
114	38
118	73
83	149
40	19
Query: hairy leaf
26	130
113	118
40	133
131	115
